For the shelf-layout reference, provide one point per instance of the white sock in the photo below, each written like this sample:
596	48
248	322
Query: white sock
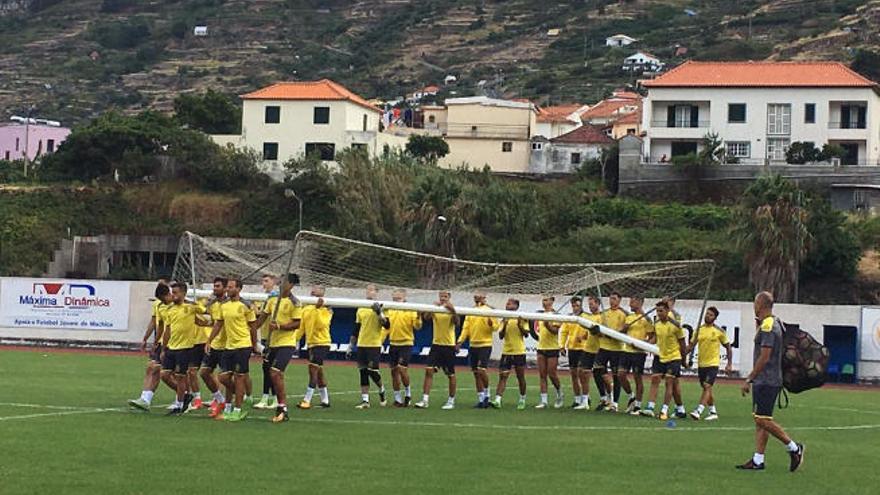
792	446
325	396
522	398
236	410
664	409
246	397
638	403
758	458
585	399
679	408
481	396
700	409
382	389
425	398
408	391
712	410
486	393
450	400
228	408
218	396
147	396
397	396
651	405
604	398
543	398
365	397
265	398
497	398
309	393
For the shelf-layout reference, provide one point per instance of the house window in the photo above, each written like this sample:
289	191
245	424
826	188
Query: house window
16	144
365	122
852	117
326	151
506	146
776	149
270	151
50	146
7	155
860	200
779	119
809	113
739	149
273	115
575	158
682	116
432	119
322	115
736	113
359	147
631	131
537	146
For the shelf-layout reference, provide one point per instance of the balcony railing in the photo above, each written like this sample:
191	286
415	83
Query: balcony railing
485	131
847	125
702	124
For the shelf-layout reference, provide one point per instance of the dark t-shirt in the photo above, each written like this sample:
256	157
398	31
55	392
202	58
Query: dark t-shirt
769	334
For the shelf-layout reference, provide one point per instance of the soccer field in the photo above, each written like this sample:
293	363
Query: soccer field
65	426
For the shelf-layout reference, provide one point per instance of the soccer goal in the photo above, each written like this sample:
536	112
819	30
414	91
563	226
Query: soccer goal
345	267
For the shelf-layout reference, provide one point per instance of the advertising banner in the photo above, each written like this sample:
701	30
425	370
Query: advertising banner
64	304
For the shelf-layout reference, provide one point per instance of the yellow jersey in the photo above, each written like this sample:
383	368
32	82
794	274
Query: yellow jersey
515	332
547	340
568	335
237	317
709	341
668	335
444	328
315	325
403	326
640	328
214	309
613	319
477	329
287	313
181	322
592	340
371	331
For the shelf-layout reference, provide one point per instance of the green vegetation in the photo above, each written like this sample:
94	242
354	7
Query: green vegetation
77	423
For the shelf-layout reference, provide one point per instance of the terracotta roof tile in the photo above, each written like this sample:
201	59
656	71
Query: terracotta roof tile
585	134
630	118
557	113
761	74
323	90
608	108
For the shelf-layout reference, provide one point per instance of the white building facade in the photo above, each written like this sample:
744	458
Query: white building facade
759	108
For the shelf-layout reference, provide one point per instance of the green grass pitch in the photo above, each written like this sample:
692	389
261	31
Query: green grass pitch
65	428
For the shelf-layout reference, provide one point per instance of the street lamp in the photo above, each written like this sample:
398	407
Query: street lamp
442	219
290	193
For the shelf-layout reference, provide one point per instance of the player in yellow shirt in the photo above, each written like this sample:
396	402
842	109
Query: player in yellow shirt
478	331
442	356
669	337
315	327
513	333
367	336
154	365
269	283
638	326
574	349
236	319
611	351
708	342
281	317
402	325
547	334
211	360
589	342
180	320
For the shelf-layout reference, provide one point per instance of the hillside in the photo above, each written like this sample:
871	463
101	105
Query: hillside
72	59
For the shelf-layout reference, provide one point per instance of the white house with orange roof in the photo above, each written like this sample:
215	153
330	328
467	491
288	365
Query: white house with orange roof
292	119
759	108
553	121
610	109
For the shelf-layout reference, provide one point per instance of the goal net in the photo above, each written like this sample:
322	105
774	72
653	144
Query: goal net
345	267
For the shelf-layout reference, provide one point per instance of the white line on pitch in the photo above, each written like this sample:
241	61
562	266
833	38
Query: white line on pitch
60	413
44	406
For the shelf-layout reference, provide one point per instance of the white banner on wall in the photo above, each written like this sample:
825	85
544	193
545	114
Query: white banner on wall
870	341
64	304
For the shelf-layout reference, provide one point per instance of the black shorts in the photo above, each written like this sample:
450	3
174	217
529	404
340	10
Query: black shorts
317	354
442	357
509	361
707	375
156	353
608	360
399	355
574	358
549	353
368	357
279	357
196	355
479	357
634	362
588	360
670	369
236	361
176	361
213	359
763	400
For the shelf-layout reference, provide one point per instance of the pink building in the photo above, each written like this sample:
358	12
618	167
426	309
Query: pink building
18	140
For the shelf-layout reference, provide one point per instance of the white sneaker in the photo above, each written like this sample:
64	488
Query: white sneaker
448	406
560	401
273	403
363	405
541	405
581	407
612	408
422	404
712	417
170	406
263	404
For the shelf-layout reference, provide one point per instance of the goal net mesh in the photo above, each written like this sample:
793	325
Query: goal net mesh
345	267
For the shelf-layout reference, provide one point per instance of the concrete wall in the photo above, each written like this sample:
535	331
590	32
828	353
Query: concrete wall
479	152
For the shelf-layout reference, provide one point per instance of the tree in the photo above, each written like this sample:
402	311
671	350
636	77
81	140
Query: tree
799	153
427	148
770	227
867	63
835	250
211	112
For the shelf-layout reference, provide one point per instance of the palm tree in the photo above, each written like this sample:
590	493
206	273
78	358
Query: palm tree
771	229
